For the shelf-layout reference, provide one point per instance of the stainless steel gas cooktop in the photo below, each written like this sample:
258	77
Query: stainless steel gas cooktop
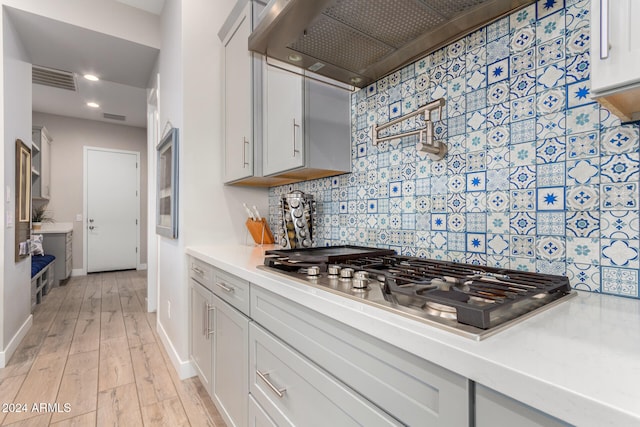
470	300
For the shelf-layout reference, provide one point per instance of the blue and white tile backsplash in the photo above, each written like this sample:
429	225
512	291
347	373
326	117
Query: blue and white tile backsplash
539	177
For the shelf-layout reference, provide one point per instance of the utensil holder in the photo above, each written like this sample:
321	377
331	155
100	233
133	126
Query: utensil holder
260	231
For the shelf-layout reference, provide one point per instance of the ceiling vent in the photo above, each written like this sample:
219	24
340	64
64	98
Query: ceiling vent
53	78
114	117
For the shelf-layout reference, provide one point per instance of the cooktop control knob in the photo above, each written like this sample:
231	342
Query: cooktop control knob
360	280
333	270
346	273
313	271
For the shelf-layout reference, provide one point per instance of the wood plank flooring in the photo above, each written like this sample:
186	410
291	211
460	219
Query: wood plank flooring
93	347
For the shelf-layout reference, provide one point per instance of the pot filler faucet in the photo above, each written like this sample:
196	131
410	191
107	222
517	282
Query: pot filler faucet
426	144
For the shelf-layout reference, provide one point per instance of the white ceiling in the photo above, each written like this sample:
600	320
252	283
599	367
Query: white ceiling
153	6
124	68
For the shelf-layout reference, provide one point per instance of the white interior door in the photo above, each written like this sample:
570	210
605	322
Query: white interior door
112	210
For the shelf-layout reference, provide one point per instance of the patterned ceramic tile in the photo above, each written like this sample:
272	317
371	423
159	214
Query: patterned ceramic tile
498	223
619	196
551	199
523	154
583	224
498	93
551	125
620	224
498	158
583	250
620	281
583	197
583	171
551	174
523	223
550	150
523	17
550	248
578	15
497	244
522	246
620	253
578	41
523	108
583	145
523	85
585	277
523	131
522	62
550	76
551	101
620	139
578	67
548	7
522	200
551	223
550	52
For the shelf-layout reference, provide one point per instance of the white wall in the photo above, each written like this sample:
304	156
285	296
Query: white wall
16	121
70	136
210	212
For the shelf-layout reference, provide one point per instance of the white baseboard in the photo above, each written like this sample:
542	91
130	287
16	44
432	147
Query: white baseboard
142	267
17	339
78	272
184	369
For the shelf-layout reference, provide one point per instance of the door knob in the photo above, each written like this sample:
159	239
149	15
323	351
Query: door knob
90	219
91	227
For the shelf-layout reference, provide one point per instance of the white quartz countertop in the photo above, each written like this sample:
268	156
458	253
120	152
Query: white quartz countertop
578	361
55	227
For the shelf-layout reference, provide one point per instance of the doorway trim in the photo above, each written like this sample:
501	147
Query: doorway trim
85	189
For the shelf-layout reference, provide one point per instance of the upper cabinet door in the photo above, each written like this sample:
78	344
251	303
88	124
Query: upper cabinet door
238	102
615	45
283	144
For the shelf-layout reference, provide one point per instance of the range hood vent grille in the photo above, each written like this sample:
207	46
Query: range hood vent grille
114	117
53	78
359	41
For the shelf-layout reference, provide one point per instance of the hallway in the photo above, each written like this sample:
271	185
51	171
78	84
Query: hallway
94	352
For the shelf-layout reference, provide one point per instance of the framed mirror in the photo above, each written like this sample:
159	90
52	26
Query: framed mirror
167	185
23	199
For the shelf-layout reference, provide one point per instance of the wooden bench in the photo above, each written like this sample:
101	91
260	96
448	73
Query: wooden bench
42	277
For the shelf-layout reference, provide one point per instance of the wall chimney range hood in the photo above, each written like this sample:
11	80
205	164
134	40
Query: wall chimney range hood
359	41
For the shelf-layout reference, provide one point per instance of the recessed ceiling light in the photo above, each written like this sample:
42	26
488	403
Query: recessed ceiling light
93	105
91	77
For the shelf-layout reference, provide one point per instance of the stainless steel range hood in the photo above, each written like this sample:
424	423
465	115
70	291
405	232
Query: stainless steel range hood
359	41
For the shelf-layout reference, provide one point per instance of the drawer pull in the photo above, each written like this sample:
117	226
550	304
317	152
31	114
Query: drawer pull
224	287
279	392
197	270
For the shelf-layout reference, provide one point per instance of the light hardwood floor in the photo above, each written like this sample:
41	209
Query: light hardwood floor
93	347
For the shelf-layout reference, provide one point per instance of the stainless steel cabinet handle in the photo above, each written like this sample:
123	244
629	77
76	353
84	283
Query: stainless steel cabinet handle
245	142
263	377
225	287
209	330
205	317
295	125
604	29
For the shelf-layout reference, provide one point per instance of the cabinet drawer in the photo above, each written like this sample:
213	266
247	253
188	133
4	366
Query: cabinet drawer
257	416
200	271
411	389
295	392
232	289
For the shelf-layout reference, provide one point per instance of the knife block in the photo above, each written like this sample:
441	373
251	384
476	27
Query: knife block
260	231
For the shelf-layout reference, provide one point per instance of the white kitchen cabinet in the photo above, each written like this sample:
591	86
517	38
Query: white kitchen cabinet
615	55
283	133
307	132
496	409
230	363
294	392
242	83
201	344
41	163
220	339
410	389
58	241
